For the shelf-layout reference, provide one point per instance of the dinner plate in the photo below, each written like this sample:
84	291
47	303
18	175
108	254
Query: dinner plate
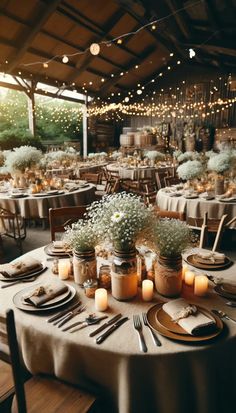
54	300
191	196
25	275
20	195
219	289
165	320
17	300
51	253
155	325
191	261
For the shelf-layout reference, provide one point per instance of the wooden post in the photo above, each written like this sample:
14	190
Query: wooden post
85	129
31	112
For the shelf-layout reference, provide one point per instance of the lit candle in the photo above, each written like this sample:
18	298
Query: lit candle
189	277
63	269
184	269
101	299
147	290
200	285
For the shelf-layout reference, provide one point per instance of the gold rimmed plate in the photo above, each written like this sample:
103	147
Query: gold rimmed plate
170	329
18	300
224	292
192	260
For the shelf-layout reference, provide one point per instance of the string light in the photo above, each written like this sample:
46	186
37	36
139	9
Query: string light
192	53
65	59
94	49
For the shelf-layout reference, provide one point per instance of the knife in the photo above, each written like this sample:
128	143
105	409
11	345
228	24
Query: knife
103	336
63	313
108	323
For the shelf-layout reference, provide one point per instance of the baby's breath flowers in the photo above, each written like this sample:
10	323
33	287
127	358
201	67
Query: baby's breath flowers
81	236
121	219
171	237
221	162
190	170
21	158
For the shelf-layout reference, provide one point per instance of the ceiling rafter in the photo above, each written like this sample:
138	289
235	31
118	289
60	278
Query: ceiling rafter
25	41
181	18
213	17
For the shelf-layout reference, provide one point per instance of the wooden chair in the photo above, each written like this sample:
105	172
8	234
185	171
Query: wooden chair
60	217
93	178
112	187
171	180
216	226
42	393
13	226
160	175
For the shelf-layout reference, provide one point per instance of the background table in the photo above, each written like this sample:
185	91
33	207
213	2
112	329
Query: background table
37	207
176	377
195	208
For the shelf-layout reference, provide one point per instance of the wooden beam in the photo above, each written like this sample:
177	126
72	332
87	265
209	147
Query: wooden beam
25	41
212	16
31	110
181	18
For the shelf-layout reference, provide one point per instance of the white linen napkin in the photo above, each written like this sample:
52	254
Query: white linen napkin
193	324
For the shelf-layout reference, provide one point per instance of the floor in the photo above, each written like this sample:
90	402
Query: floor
37	237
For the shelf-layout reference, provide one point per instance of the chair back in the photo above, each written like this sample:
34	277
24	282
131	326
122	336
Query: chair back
160	175
161	213
171	180
93	178
8	337
13	226
59	217
216	226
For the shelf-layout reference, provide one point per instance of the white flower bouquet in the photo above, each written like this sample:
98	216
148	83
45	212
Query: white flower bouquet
220	163
189	155
121	219
21	158
81	236
155	155
190	170
171	237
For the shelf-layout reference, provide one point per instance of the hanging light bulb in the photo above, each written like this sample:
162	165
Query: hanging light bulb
154	27
139	92
45	65
127	99
119	41
65	59
192	53
94	49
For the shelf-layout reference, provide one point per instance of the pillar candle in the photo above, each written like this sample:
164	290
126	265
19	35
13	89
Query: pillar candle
184	269
200	285
189	277
101	299
147	290
63	269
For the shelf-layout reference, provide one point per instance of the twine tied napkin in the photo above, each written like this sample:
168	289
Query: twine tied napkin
210	257
194	324
45	292
20	267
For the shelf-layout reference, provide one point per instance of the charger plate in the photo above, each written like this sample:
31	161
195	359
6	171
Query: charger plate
25	275
191	260
166	329
219	289
18	300
52	253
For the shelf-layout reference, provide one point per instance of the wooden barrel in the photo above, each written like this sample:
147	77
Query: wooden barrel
142	139
126	140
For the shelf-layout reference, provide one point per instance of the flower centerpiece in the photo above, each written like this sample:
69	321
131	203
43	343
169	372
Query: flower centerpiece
21	158
155	156
190	170
220	164
122	219
170	238
82	238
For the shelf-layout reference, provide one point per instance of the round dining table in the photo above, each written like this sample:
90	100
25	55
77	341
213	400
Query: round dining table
178	377
31	206
135	173
170	200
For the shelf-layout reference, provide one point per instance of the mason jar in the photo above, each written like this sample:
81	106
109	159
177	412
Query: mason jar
124	280
84	266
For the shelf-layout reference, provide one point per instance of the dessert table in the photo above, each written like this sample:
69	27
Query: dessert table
37	205
196	207
176	377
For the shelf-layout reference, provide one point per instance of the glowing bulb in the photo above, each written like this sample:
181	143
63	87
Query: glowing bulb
119	41
94	49
192	53
45	65
65	59
171	54
102	80
136	66
139	92
178	62
154	27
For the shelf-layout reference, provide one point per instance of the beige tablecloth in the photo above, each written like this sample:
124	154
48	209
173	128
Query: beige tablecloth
176	377
37	207
195	208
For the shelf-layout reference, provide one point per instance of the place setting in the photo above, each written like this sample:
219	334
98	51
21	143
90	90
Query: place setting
209	260
21	270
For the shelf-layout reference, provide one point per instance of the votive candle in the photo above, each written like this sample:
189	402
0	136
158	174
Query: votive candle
200	285
147	290
101	301
189	277
63	269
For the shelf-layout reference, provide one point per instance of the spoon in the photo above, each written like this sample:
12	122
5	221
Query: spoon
26	280
231	304
221	314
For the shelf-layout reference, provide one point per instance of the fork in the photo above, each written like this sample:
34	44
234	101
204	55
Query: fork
154	337
138	328
69	316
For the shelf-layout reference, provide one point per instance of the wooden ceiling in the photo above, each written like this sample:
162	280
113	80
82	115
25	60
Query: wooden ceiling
39	30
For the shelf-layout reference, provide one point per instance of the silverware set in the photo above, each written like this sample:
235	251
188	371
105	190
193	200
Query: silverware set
139	328
221	314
